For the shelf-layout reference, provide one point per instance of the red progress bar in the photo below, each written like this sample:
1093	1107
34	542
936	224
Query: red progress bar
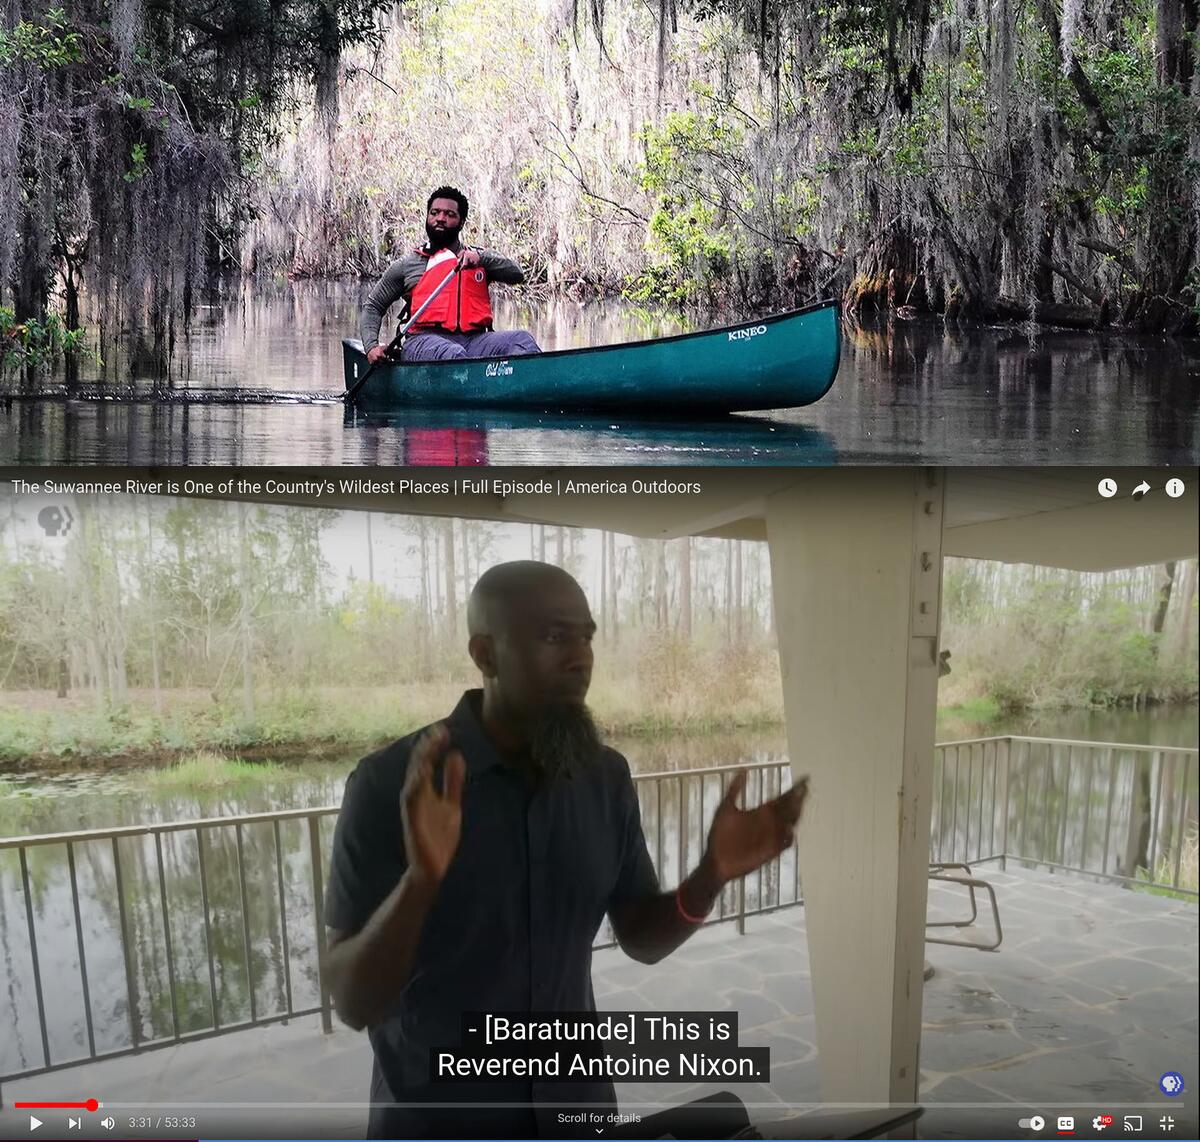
90	1104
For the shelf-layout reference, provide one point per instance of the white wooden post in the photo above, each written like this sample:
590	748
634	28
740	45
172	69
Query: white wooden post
856	561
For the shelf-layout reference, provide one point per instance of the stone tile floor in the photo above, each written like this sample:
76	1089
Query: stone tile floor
1091	997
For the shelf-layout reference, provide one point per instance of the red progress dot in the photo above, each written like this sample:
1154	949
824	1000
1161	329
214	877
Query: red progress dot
92	1104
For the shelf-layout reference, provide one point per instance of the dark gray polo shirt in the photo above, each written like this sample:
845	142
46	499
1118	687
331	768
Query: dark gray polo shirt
511	929
401	277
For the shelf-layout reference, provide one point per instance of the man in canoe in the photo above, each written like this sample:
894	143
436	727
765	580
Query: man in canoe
458	322
474	861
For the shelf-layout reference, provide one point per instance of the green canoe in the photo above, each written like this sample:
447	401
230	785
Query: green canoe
781	361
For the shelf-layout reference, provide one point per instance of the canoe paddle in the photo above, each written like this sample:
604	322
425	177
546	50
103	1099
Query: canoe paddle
395	342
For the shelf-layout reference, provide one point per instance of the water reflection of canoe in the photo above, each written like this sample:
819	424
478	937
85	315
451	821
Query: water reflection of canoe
465	437
781	361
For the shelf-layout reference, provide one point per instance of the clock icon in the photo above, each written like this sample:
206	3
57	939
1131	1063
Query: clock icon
1107	487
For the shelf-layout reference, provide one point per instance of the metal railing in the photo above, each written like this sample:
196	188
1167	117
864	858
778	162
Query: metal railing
251	897
145	995
191	929
676	810
1124	813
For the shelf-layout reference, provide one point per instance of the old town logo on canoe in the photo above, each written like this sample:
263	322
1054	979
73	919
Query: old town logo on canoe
745	334
498	369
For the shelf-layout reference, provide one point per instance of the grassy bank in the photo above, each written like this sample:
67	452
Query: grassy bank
982	710
39	730
209	770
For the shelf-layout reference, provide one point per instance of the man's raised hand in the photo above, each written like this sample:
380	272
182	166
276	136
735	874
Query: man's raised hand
740	840
432	820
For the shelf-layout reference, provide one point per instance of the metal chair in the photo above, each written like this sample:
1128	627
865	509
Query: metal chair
939	872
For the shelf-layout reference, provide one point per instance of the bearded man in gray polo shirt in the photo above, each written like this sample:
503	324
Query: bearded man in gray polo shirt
474	862
458	321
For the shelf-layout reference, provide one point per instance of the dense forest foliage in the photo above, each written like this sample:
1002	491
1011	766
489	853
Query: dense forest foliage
132	139
1020	158
155	619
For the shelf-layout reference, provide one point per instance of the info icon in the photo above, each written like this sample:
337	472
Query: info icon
1171	1084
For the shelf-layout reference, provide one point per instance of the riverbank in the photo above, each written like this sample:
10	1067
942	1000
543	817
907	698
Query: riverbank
39	731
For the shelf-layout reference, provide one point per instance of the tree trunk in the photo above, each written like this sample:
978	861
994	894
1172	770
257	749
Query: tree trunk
244	582
685	588
614	585
1167	839
604	584
1173	237
451	583
660	586
738	592
1163	602
370	551
92	635
148	571
1184	624
1137	842
729	592
31	289
426	601
467	581
71	301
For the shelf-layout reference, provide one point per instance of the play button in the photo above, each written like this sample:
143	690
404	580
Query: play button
34	1123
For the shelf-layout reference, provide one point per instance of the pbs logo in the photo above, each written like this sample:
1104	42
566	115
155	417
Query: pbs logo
1171	1084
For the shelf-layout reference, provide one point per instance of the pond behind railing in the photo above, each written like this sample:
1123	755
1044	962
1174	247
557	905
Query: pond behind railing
118	940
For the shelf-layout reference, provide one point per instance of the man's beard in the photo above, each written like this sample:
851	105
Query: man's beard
565	740
441	239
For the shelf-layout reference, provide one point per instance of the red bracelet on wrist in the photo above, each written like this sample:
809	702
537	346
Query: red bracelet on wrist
683	912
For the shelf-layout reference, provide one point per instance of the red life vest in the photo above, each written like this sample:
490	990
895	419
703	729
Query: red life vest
464	306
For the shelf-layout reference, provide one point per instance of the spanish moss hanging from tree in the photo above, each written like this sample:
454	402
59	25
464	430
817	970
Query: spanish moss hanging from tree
131	133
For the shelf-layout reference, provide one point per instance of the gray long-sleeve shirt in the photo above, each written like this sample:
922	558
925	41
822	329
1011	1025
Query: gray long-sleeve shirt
401	279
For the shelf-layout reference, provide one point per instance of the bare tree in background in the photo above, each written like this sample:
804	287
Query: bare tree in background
660	586
685	587
604	601
370	550
1185	622
245	617
451	580
152	607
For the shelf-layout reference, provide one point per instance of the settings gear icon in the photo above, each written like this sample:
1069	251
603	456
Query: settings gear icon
1171	1084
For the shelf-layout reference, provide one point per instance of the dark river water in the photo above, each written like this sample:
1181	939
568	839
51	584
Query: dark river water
259	382
228	913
